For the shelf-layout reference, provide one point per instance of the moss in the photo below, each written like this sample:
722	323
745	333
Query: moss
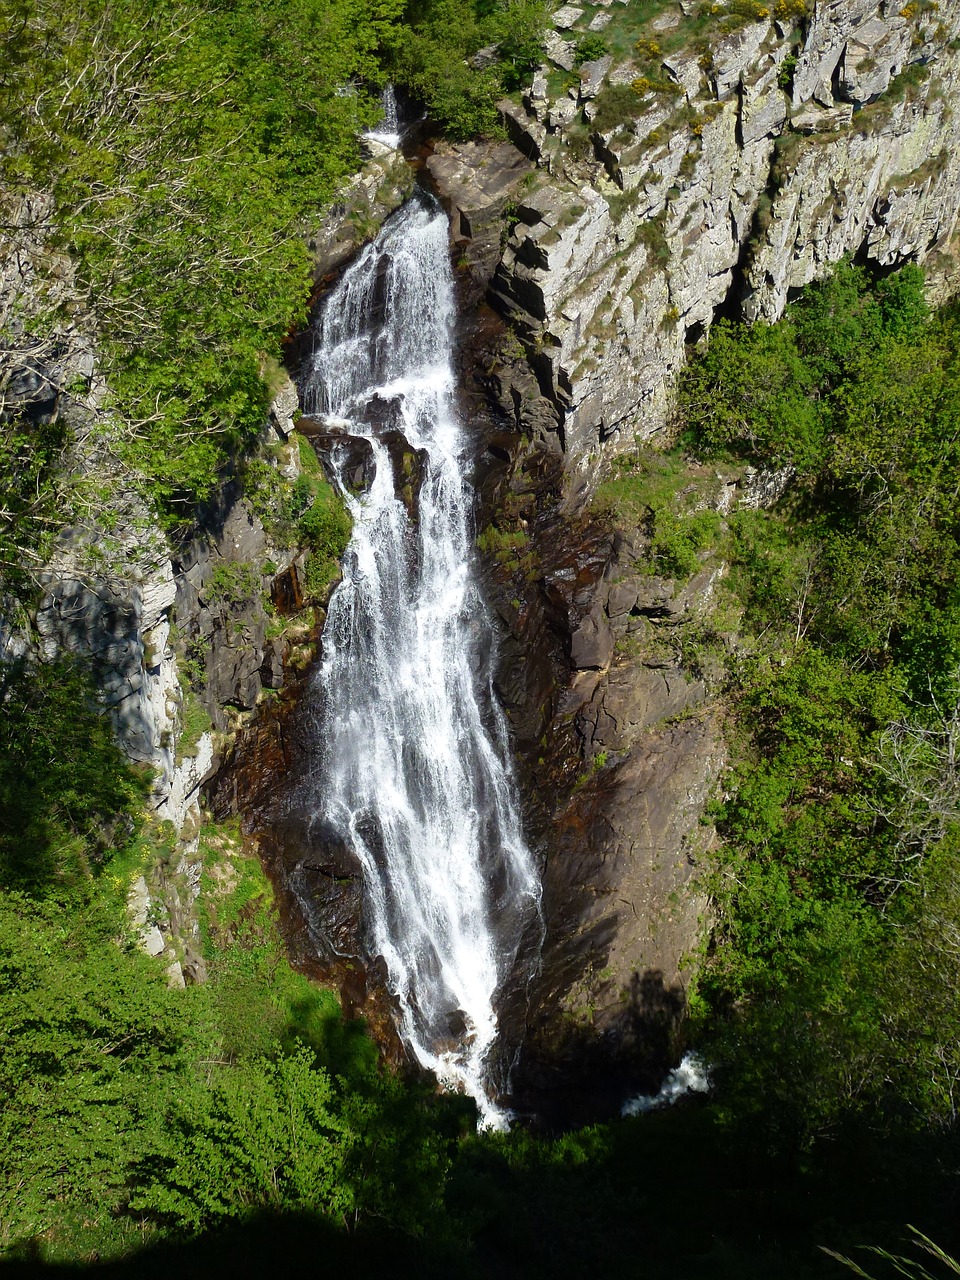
195	722
309	462
233	583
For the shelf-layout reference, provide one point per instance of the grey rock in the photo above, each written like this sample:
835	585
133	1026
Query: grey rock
591	645
666	21
560	52
876	51
734	54
562	112
592	75
485	57
526	134
686	70
283	407
822	121
566	17
762	113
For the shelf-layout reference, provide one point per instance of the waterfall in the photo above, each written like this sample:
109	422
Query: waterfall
387	130
411	765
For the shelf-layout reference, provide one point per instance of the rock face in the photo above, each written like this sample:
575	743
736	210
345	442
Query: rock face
619	748
593	250
743	170
173	632
737	172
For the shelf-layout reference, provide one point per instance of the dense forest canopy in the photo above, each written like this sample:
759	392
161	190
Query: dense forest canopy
162	162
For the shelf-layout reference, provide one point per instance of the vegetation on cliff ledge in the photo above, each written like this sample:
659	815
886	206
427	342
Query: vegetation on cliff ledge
830	992
160	165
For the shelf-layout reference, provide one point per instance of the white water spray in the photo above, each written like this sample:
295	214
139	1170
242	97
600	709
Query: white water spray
387	130
692	1076
412	771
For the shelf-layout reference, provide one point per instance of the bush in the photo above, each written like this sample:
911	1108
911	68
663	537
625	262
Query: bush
68	797
325	525
179	195
616	105
590	48
431	56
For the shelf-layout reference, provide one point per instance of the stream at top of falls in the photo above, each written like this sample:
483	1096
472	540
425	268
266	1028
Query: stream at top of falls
410	759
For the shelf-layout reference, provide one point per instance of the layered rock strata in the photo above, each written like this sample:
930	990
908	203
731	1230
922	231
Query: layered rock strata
737	169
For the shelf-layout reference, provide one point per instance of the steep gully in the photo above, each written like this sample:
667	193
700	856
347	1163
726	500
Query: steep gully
407	764
599	1019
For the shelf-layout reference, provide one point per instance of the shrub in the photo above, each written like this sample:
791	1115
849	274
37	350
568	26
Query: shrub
590	48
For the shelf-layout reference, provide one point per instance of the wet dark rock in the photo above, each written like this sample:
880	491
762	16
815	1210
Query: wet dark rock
409	468
475	180
617	751
354	454
329	884
271	669
591	645
286	591
384	414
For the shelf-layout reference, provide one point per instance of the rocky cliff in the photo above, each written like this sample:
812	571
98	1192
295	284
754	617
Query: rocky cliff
716	159
729	158
722	159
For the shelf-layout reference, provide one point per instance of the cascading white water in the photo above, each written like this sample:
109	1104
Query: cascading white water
691	1076
412	771
387	129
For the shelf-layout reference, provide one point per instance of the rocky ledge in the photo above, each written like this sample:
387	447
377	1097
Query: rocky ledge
708	174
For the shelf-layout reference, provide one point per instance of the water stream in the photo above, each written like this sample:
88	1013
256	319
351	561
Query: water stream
388	130
411	765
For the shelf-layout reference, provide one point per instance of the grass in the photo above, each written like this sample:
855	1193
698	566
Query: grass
195	723
659	494
645	478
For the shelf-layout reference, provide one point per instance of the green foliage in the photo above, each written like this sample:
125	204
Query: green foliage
90	1032
835	881
912	1268
676	541
503	543
309	513
645	490
616	104
180	190
233	582
431	56
31	500
589	48
264	1132
195	723
325	524
751	393
67	795
128	1103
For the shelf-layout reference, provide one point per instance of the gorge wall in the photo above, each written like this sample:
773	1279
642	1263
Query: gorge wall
754	155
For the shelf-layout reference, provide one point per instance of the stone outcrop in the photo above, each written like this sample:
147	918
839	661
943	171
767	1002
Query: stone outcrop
616	729
173	631
745	166
368	198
